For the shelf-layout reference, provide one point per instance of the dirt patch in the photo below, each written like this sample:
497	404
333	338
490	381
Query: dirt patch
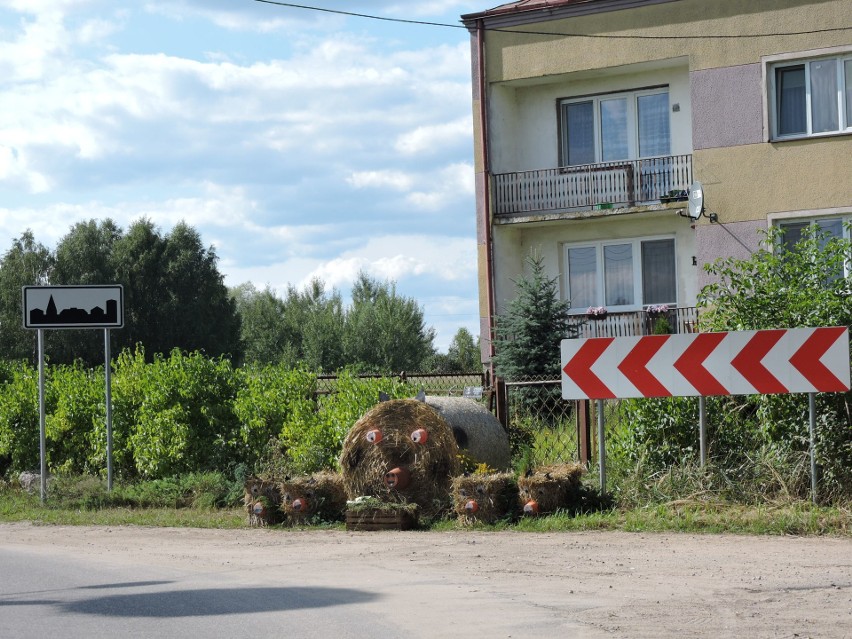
555	584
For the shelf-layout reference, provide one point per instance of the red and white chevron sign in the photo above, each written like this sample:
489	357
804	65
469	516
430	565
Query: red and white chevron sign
795	360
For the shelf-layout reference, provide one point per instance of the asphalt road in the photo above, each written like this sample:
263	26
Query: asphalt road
75	582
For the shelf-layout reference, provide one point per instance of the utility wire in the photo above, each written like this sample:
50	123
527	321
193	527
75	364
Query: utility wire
608	36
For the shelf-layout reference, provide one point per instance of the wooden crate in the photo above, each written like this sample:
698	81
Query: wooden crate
377	519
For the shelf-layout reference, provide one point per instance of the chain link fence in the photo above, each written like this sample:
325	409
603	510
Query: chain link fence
444	384
546	429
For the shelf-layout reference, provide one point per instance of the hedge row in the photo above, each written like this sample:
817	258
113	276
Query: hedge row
176	414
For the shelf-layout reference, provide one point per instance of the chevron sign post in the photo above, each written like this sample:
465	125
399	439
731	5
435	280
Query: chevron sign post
797	360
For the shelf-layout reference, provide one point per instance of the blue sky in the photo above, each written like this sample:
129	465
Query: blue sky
300	144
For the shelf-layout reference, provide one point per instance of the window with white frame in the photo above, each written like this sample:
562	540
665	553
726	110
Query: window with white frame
811	97
616	126
830	227
621	274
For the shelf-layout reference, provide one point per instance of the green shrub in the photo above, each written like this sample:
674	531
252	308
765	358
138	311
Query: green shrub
77	419
313	439
19	418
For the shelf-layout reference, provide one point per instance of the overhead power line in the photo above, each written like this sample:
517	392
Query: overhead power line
601	36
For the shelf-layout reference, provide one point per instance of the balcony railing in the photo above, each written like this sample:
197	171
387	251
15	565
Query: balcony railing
637	323
624	183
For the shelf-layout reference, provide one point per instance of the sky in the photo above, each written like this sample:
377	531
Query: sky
300	144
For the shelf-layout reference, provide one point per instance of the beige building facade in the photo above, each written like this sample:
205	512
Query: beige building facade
597	120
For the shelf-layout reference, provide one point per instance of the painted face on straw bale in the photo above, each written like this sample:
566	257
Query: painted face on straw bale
261	500
321	493
401	450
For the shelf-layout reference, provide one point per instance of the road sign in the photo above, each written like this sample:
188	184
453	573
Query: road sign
73	306
799	360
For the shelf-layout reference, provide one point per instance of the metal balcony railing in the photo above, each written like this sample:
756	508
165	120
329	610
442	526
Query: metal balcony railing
623	183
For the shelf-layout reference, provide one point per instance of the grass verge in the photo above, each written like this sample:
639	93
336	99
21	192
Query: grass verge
797	518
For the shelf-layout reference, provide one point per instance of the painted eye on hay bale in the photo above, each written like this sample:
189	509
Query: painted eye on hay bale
374	436
420	436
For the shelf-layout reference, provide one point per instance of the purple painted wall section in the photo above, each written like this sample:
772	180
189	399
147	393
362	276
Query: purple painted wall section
737	239
727	107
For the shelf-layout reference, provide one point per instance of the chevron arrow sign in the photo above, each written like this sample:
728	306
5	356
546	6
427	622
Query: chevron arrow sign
795	360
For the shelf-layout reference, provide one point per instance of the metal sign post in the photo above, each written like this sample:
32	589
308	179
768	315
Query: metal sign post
70	307
108	382
42	437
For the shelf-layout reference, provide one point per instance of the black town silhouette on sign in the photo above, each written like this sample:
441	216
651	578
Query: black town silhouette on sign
72	315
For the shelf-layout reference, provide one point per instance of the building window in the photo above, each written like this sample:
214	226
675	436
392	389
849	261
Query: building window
811	97
621	275
831	227
613	127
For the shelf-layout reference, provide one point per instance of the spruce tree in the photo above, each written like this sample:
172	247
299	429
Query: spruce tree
528	337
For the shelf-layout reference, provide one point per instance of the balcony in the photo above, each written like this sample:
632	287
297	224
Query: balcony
637	323
607	185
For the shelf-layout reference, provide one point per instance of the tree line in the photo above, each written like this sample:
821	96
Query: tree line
175	298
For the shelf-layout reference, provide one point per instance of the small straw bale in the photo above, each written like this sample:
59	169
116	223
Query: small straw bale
319	496
262	501
478	433
485	498
401	451
547	489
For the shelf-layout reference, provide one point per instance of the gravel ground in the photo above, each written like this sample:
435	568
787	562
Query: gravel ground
498	584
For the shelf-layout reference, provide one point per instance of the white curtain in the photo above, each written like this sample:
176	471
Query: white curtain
824	116
582	277
618	274
654	135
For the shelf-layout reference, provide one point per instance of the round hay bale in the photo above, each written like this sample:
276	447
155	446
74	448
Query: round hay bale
381	459
319	496
485	498
550	488
262	502
478	433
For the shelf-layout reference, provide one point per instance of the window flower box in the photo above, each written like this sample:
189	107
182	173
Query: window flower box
596	312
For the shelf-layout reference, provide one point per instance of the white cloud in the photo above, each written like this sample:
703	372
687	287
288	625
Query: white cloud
396	257
434	138
395	180
444	187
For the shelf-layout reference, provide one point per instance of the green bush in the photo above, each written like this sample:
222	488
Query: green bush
777	287
76	420
313	439
19	418
268	398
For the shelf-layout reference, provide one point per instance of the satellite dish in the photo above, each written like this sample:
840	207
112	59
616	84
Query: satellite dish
695	201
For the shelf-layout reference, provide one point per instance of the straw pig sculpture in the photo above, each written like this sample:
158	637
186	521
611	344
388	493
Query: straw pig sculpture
485	498
478	433
401	451
319	495
262	500
550	488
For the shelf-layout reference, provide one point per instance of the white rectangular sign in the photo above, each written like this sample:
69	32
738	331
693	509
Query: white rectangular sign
97	306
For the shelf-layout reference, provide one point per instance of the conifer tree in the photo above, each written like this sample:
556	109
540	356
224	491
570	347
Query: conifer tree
528	336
